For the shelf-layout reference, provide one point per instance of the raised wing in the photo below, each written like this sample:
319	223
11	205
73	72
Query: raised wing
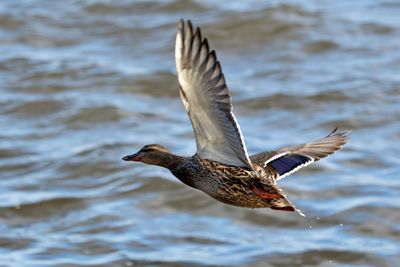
206	98
286	161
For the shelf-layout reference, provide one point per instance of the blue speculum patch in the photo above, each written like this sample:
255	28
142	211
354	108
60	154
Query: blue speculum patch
287	163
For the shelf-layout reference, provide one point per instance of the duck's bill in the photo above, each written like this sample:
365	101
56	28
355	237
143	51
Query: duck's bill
133	157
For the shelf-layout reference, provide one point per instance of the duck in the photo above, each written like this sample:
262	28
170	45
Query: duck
221	166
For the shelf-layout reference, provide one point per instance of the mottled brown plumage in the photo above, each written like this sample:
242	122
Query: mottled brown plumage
221	166
237	185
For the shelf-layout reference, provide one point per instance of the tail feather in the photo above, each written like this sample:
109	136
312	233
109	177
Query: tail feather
283	204
274	197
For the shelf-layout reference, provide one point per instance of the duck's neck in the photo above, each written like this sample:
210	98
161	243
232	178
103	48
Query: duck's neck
170	161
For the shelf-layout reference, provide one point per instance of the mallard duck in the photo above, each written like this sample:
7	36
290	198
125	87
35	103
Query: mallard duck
221	166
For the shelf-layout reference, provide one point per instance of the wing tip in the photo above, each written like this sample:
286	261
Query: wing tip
189	26
344	133
205	43
181	23
179	42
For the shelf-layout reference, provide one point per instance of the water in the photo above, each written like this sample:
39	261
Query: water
86	82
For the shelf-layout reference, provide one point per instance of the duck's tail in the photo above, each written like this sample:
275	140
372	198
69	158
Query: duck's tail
274	197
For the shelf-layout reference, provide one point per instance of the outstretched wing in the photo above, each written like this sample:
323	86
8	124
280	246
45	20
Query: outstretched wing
287	160
206	98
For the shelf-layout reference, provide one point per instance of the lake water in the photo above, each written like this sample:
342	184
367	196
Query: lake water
84	82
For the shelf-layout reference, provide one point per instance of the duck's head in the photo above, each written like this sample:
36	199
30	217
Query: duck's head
153	154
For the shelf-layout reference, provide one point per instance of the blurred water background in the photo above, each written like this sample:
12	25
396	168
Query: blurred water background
84	82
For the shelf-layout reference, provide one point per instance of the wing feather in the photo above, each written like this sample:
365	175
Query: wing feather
206	98
287	160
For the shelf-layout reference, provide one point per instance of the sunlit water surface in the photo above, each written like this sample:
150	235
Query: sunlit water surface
86	82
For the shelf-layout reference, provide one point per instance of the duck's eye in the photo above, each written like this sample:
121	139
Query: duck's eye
146	149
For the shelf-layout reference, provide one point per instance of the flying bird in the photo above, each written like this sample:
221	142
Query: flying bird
221	166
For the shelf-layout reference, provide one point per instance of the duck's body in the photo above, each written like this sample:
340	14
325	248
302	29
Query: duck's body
221	166
229	184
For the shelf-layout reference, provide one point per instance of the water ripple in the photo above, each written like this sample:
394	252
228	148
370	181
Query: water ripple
86	82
